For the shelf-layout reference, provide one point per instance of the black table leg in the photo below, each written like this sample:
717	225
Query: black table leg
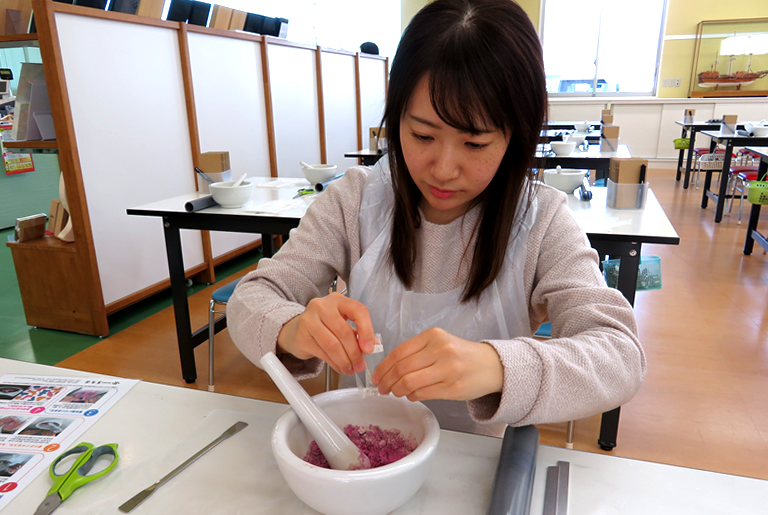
723	192
754	214
609	429
180	305
267	245
629	253
688	161
680	156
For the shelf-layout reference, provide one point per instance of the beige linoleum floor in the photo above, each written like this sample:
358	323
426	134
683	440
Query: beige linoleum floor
704	403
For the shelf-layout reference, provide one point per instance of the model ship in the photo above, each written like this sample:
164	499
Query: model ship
713	78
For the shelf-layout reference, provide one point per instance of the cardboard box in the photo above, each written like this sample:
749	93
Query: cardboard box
237	22
221	17
30	227
689	115
729	124
214	162
605	112
377	140
626	170
609	138
607	119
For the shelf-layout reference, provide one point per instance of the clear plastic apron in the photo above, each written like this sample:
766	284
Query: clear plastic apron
501	313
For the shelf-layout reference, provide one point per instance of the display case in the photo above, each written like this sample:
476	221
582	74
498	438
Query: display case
730	59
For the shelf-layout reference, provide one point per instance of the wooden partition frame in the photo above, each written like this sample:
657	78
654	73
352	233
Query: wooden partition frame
90	311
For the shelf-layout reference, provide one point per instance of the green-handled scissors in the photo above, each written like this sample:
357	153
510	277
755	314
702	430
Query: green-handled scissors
78	473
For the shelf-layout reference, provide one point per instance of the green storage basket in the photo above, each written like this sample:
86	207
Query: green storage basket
758	192
682	143
648	273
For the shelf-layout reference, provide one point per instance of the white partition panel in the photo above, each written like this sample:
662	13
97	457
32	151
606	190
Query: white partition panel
231	111
127	99
340	108
747	112
293	82
638	128
373	89
669	130
574	112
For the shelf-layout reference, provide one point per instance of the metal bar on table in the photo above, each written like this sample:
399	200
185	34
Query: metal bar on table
680	155
556	490
689	160
513	483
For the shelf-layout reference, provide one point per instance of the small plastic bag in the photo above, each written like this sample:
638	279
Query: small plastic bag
372	361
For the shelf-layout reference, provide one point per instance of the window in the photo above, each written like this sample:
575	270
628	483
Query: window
602	46
337	24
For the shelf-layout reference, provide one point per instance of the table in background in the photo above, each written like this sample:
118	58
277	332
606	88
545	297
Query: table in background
739	139
591	159
693	128
555	124
754	215
155	421
620	233
367	157
557	135
175	218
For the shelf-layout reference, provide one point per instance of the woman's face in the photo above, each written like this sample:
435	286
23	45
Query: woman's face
450	167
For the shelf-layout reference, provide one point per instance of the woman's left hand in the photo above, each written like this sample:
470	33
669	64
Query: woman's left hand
438	365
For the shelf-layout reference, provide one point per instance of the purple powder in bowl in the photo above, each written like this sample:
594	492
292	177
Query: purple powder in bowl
381	446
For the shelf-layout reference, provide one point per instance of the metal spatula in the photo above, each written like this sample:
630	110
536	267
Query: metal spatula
137	499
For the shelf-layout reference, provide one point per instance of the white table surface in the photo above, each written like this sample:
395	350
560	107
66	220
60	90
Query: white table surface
596	218
593	152
259	196
158	426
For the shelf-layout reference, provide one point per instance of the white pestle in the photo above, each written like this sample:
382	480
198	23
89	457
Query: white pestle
337	448
240	180
305	165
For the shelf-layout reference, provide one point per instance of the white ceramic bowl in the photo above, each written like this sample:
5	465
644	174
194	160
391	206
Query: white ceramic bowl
577	137
357	492
227	196
567	180
760	131
563	148
581	126
319	173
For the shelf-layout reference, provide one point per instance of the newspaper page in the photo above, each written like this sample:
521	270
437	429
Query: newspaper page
42	416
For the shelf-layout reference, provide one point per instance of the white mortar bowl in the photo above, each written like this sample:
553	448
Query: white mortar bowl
227	196
319	173
376	491
562	148
577	137
760	131
567	180
581	126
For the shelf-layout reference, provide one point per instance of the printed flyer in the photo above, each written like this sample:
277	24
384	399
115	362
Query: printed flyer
14	163
42	416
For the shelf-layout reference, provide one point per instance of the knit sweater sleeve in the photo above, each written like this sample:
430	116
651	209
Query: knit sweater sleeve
325	245
594	361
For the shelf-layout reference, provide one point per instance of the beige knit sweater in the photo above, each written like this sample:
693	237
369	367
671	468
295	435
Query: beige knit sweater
593	363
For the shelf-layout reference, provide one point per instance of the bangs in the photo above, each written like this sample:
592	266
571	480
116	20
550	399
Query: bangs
464	99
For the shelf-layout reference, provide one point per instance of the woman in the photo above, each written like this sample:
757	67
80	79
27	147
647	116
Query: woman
449	250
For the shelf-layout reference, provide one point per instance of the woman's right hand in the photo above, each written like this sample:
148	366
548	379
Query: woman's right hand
323	331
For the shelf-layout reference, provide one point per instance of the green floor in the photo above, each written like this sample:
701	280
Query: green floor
26	343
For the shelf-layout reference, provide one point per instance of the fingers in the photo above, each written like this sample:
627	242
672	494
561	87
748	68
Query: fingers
324	331
438	365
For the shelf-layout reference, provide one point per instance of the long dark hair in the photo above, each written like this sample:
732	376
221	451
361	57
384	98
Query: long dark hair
485	67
